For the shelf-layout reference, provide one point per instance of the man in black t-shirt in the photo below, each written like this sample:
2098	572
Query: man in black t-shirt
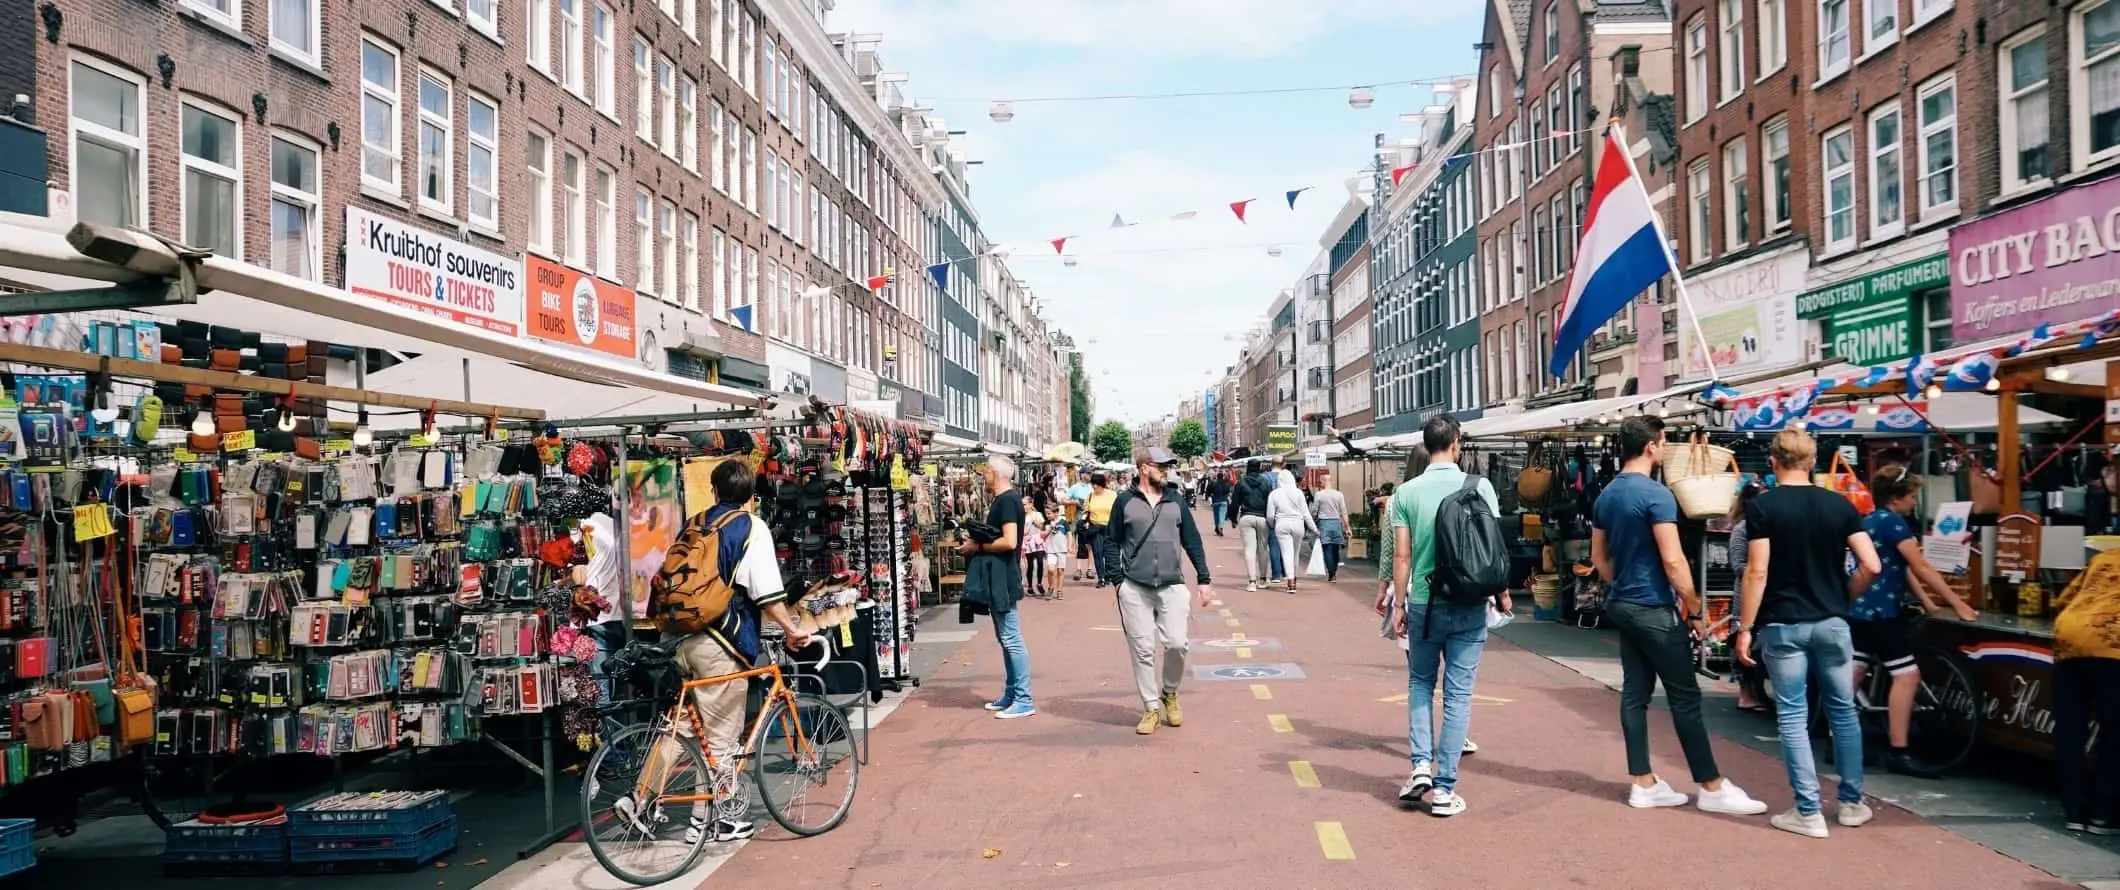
999	563
1796	589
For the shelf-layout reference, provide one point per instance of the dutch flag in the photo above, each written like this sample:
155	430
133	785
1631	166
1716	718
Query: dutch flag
1622	253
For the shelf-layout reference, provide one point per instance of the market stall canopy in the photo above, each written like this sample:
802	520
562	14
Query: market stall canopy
1677	401
945	443
447	374
1973	412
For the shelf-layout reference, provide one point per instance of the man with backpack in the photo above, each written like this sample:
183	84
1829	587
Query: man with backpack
719	578
1448	548
1150	536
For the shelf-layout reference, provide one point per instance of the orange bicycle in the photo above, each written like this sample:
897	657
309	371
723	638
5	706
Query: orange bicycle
650	786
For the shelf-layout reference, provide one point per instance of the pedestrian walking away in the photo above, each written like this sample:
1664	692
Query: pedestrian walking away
1796	591
1249	499
993	581
1635	546
1329	507
1290	518
1442	638
1151	534
1218	489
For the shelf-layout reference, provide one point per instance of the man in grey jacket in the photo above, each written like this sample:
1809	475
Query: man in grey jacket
1149	528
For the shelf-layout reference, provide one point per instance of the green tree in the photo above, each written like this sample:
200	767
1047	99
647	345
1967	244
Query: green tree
1078	402
1112	441
1188	439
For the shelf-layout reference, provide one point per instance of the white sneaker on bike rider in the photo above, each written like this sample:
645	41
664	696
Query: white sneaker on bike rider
629	812
721	831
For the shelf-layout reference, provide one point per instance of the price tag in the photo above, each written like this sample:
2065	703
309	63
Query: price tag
183	456
240	440
421	440
343	446
92	521
846	635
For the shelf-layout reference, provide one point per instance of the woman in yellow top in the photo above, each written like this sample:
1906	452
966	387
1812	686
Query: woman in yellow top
2087	688
1099	505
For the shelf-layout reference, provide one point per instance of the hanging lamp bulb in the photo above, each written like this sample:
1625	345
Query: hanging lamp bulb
362	435
202	423
1875	409
1361	97
2058	374
1994	384
286	424
1932	391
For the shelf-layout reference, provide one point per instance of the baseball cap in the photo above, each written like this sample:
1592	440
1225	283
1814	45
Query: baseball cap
1160	457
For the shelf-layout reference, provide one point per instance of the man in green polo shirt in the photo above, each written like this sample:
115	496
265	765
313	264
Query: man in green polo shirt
1438	635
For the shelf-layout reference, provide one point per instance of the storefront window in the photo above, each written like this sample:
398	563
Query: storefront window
1936	319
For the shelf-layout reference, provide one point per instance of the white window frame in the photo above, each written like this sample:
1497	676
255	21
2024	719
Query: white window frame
570	48
1773	36
574	208
489	143
603	80
1553	31
688	274
643	241
1830	67
2079	111
750	170
717	159
605	195
136	143
1825	188
1700	212
537	35
188	164
666	100
1696	37
1730	50
1880	25
772	195
688	122
1737	193
718	286
447	124
311	202
390	97
537	153
1777	219
666	241
797	228
2011	99
1926	11
1928	170
232	17
314	33
1882	152
485	16
643	90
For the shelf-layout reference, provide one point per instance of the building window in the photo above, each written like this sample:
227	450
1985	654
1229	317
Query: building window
295	198
1887	178
379	116
213	180
772	196
108	146
666	97
1839	187
1537	113
1928	9
1936	311
573	212
539	149
437	162
1538	252
1731	18
747	57
1703	217
750	170
1773	35
750	283
1737	195
1832	37
718	287
718	172
537	34
2025	124
1883	24
482	159
294	28
688	123
794	224
226	12
606	222
1494	91
773	72
643	91
482	14
570	45
1563	237
1775	148
643	241
1553	32
1937	104
688	278
1696	68
2094	62
666	232
603	80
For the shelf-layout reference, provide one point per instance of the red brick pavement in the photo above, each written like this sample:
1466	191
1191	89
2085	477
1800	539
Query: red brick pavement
1073	798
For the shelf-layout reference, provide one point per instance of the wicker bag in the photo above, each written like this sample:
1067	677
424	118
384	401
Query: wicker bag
1696	458
1535	483
1702	494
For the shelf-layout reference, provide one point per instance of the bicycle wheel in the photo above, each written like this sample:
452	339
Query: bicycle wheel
634	835
805	765
1947	711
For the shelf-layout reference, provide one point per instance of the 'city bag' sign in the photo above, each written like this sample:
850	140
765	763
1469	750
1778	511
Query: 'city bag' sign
432	273
2055	260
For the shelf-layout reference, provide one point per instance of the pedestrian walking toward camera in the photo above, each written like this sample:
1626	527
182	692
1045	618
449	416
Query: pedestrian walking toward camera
1150	536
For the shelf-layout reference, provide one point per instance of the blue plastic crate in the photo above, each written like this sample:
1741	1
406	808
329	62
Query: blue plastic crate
18	850
303	821
198	842
401	850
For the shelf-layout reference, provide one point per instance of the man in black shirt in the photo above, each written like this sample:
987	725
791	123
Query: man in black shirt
1796	589
999	562
1218	496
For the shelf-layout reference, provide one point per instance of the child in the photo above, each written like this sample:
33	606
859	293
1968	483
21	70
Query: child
1034	544
1056	559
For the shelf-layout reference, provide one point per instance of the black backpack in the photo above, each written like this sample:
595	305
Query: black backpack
1471	558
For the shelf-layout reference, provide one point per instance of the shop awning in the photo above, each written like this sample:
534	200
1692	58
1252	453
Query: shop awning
1678	401
443	375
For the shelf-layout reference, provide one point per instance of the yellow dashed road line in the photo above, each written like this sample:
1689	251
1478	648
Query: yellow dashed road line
1261	691
1332	838
1243	652
1280	723
1216	603
1228	614
1306	777
1232	622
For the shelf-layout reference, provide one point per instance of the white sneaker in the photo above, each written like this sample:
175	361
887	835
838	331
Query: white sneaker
1813	825
1856	815
1471	747
1444	804
1417	784
1650	797
1252	586
1730	800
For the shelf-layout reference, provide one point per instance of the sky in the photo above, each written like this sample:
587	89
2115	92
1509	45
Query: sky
1160	307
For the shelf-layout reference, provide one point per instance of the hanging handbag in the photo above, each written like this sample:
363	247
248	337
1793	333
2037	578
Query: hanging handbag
1840	478
1535	483
133	688
1705	495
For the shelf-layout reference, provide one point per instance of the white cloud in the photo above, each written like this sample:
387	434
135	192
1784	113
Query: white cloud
1229	29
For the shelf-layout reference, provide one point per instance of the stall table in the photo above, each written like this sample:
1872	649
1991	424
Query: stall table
2012	661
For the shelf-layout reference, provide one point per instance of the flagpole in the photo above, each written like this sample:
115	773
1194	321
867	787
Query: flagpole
1663	239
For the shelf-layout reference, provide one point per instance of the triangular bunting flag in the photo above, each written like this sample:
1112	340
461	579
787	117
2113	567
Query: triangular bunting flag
1292	193
878	282
1119	222
941	273
1184	215
1399	173
1237	207
742	315
1060	244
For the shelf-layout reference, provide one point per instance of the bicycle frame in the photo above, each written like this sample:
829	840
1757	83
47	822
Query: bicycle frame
685	710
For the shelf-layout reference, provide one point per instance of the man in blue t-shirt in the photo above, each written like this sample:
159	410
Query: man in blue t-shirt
1634	543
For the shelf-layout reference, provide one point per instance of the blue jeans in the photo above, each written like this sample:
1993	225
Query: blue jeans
1273	551
1221	513
1795	653
1452	636
1015	660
